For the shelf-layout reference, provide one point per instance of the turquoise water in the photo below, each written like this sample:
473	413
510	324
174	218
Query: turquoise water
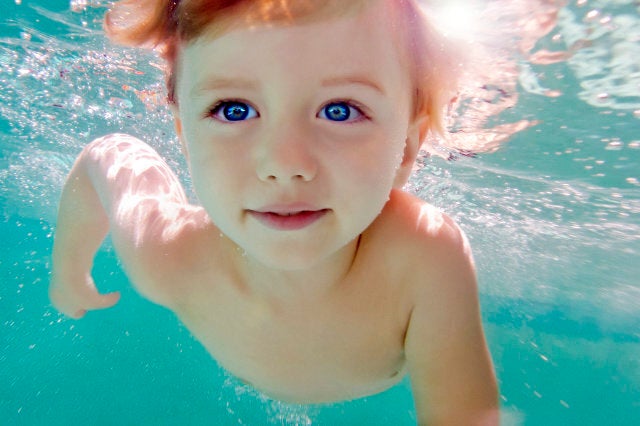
553	216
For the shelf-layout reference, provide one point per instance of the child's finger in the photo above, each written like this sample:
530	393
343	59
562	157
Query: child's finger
104	301
64	304
78	314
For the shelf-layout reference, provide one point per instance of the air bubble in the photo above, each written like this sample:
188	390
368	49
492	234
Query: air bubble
614	146
79	5
76	101
592	15
120	103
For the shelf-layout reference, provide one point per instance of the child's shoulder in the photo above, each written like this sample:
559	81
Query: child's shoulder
421	238
419	223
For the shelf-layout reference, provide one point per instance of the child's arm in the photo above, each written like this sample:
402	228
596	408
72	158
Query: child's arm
120	184
449	364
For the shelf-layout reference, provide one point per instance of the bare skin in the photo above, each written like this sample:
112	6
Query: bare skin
343	307
407	301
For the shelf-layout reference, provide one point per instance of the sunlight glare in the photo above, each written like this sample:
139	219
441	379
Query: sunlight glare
456	19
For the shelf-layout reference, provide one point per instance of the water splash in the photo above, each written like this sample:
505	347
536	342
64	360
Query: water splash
62	86
534	47
606	65
277	412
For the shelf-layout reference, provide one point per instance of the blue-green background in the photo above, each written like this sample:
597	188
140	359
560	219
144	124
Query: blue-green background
553	217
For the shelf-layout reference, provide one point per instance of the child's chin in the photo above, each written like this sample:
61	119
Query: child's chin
287	260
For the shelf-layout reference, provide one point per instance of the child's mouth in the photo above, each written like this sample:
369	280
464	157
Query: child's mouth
288	221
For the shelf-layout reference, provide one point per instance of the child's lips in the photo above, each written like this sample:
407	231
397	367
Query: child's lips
287	218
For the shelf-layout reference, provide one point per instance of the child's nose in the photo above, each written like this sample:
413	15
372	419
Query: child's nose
284	155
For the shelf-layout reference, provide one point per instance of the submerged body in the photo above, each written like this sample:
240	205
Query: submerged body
299	341
306	272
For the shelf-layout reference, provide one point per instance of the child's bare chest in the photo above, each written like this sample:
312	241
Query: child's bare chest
321	350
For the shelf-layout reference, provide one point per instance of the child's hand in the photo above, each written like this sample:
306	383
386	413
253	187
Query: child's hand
74	299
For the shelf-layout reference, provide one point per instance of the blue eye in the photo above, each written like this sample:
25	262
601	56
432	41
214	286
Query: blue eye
233	111
340	111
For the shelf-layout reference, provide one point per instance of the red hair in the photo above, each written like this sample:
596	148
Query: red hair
165	25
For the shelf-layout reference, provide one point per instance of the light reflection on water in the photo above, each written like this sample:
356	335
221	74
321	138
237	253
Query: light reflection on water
553	212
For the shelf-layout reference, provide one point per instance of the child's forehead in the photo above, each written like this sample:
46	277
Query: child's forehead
320	52
363	23
344	39
210	22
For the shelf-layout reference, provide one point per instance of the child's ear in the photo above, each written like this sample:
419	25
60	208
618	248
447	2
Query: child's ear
416	132
177	123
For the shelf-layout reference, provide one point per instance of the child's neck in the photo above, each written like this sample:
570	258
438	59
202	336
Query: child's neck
294	286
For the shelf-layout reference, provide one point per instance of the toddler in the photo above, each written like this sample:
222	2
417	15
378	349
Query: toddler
306	271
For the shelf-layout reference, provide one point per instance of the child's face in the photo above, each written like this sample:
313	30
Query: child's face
296	135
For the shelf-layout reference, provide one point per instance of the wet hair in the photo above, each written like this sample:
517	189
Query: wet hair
166	25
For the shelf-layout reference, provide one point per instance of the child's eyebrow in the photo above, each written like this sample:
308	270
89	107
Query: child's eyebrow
217	83
348	80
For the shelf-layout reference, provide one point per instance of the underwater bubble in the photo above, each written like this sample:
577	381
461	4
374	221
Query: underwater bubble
605	20
76	101
592	15
615	145
78	5
120	103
